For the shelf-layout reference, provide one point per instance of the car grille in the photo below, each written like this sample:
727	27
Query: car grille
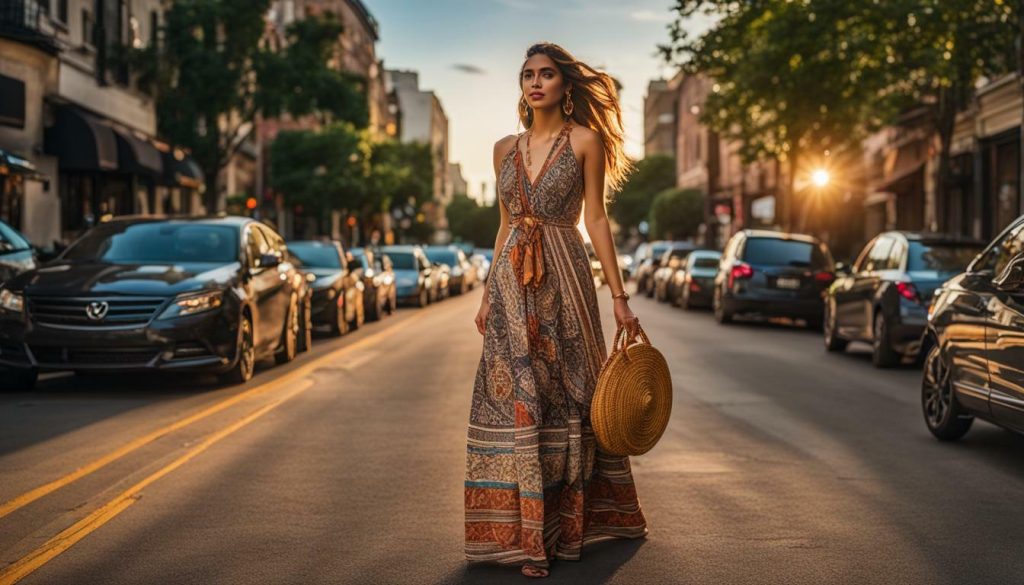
74	311
92	356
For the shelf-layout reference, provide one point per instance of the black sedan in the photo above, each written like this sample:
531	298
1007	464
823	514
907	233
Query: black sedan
337	289
16	254
884	299
671	262
152	294
694	282
773	274
974	342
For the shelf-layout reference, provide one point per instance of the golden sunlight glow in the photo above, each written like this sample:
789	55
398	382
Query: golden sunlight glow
820	177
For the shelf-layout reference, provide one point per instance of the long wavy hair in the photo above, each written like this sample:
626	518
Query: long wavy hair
595	101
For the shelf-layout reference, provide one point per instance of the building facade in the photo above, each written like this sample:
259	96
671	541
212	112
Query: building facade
72	114
422	119
660	111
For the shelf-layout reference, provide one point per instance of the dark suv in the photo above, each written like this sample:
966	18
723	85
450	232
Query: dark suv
191	294
773	274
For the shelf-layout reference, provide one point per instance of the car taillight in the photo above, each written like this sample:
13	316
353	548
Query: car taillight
739	271
694	287
907	291
824	277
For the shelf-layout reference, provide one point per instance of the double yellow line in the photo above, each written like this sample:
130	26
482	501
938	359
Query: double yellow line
68	537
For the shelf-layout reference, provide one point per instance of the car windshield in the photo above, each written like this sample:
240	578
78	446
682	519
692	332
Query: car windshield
444	256
705	262
360	258
11	241
941	256
316	254
657	250
779	252
402	260
160	243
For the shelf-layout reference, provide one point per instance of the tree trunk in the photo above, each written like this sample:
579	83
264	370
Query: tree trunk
789	199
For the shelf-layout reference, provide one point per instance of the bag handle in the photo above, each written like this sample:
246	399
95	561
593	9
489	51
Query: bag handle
620	343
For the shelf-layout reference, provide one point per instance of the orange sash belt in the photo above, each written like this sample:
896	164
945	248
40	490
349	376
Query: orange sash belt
527	255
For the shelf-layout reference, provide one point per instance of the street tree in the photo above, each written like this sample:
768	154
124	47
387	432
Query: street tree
216	68
676	214
790	80
631	205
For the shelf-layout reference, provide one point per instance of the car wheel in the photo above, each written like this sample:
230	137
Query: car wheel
684	298
832	340
392	303
377	310
424	299
289	337
306	326
339	325
360	313
883	355
946	419
721	314
18	380
245	363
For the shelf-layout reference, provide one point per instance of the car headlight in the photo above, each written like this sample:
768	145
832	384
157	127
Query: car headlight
192	304
12	302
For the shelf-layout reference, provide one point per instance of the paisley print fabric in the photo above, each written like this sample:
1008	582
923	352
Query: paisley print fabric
537	487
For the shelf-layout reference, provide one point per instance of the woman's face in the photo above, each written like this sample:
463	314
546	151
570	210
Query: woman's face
542	82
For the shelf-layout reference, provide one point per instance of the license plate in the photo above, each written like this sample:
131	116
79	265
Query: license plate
790	283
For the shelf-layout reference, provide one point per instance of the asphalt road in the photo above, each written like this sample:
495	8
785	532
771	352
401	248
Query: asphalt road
782	464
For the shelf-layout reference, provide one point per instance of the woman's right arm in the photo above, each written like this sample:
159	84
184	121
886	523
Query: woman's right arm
501	148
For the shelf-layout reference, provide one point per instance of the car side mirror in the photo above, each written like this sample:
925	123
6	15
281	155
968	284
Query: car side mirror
1012	277
269	260
842	268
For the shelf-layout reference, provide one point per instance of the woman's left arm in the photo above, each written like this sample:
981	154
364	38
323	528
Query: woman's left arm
595	219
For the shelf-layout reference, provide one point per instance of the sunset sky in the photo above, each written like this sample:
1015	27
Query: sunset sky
469	52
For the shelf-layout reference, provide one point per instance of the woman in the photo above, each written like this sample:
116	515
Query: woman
537	487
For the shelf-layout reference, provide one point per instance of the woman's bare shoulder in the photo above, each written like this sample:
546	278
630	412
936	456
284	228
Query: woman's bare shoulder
585	137
503	147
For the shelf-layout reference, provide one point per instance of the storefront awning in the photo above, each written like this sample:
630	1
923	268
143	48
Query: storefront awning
15	165
80	141
136	154
180	169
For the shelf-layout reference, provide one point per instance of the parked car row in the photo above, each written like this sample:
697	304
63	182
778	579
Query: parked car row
951	303
214	294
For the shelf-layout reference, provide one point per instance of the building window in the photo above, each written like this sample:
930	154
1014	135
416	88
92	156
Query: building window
44	6
87	28
12	102
62	11
154	28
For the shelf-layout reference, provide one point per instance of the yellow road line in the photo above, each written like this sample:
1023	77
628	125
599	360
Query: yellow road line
300	372
79	530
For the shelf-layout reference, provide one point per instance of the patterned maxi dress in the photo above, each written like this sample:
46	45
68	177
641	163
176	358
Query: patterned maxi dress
536	485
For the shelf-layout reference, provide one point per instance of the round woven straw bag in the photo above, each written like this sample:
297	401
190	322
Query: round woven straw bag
633	398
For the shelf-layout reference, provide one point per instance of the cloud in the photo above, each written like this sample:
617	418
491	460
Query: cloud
519	4
651	16
467	68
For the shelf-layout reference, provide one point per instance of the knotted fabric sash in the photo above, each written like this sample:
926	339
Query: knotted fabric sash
527	255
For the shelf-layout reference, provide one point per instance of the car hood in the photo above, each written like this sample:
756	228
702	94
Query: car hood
413	274
14	263
95	278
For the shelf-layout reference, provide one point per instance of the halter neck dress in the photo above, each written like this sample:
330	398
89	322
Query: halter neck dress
537	487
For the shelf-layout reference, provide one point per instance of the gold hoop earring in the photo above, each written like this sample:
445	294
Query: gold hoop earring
524	108
567	105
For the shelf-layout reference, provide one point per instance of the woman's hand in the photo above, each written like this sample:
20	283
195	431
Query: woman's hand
481	315
625	318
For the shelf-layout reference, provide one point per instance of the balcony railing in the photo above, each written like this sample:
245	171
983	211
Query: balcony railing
28	22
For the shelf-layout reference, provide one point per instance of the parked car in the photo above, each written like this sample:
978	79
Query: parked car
463	277
671	261
380	297
337	289
884	299
443	276
974	343
186	295
651	261
416	279
482	265
773	274
625	266
637	257
692	284
16	253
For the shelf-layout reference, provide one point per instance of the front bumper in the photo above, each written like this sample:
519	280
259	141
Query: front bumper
201	342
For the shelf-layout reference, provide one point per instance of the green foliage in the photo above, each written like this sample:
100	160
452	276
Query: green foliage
676	214
471	222
632	204
213	71
323	170
401	172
